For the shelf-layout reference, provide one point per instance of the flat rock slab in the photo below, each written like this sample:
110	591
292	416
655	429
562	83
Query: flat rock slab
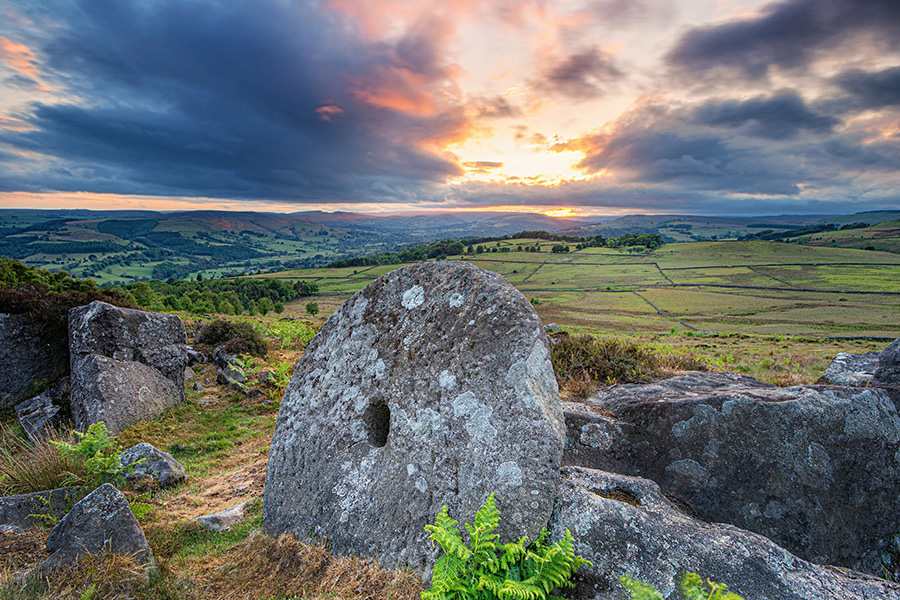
224	520
36	509
101	522
433	385
625	526
814	468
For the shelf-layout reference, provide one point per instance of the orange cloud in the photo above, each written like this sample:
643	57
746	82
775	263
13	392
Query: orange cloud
19	57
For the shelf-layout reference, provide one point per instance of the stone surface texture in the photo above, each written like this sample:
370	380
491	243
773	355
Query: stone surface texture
431	386
27	358
150	466
44	411
852	369
37	508
625	526
101	522
888	371
814	468
126	365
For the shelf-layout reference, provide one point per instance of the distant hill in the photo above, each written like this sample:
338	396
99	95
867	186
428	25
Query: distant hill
123	246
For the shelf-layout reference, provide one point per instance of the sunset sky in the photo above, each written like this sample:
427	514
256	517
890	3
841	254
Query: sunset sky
563	107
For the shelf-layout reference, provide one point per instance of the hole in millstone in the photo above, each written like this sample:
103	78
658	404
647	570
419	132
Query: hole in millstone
378	422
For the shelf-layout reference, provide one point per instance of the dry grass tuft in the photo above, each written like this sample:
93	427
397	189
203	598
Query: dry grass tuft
264	567
584	363
102	577
20	551
27	466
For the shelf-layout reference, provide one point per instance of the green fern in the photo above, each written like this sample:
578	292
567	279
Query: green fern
97	450
486	569
691	587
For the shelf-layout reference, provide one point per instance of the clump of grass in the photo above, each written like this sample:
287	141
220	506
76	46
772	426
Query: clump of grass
584	363
236	337
100	577
31	466
265	567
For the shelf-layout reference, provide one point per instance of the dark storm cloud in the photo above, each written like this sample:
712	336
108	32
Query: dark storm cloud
224	99
871	89
583	75
788	35
779	116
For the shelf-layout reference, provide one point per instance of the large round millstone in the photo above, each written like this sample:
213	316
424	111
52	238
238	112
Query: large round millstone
431	386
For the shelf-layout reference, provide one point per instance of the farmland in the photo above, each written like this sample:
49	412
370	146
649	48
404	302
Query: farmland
779	311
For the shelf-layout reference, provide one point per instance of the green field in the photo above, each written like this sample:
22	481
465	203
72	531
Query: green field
765	303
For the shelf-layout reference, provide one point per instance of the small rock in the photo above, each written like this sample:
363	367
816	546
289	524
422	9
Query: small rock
189	375
151	465
43	411
231	376
197	387
195	357
101	522
225	519
223	358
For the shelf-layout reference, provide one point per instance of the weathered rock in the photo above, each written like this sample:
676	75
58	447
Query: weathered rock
126	365
232	376
888	371
852	369
101	522
29	358
36	509
150	466
117	392
44	411
224	520
433	385
625	526
814	468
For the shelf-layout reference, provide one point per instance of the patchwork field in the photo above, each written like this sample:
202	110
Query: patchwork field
767	303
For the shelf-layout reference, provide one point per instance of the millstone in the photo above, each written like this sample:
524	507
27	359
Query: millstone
431	386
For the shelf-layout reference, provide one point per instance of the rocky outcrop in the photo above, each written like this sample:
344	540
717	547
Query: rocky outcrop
148	466
28	358
126	365
36	509
101	522
814	468
852	369
44	411
433	385
626	526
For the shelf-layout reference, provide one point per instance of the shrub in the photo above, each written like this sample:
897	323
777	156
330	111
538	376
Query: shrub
97	453
237	337
485	569
583	363
312	308
31	466
691	587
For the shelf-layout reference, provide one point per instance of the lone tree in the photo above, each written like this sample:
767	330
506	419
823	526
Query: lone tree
312	308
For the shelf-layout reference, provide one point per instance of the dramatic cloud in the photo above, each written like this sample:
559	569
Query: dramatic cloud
779	116
785	106
585	74
786	35
249	99
871	89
